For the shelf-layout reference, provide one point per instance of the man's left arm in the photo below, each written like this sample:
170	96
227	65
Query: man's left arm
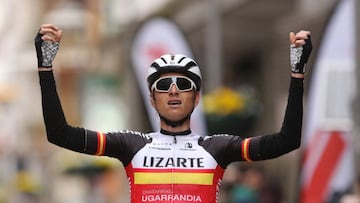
289	137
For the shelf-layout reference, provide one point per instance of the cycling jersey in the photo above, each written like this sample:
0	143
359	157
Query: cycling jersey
166	167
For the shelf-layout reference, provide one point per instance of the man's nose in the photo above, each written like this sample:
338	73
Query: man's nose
173	89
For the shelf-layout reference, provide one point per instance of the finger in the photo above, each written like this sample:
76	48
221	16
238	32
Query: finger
51	26
299	43
303	34
48	28
45	31
48	38
292	37
298	39
58	35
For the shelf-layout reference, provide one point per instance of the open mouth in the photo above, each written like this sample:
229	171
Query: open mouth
174	102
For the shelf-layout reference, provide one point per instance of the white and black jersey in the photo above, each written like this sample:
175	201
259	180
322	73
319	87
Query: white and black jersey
166	167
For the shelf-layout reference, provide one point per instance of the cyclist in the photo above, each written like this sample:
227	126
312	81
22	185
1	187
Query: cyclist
173	164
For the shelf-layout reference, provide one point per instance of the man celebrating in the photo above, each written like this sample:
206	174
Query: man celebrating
173	164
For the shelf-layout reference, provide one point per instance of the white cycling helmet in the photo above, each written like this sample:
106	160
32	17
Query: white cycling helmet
174	64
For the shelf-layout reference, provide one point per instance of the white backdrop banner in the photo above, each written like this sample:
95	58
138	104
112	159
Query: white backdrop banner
327	168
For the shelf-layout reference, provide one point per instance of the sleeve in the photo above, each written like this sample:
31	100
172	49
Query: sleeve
289	138
230	148
122	145
57	129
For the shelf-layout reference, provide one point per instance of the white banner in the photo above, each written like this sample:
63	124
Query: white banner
156	37
328	168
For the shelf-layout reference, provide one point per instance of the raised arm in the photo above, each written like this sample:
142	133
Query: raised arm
47	42
227	149
289	137
122	145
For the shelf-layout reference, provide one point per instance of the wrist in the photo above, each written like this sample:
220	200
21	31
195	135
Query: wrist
40	69
297	75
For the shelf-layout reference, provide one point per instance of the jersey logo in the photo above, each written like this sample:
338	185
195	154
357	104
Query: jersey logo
146	136
171	197
178	162
188	145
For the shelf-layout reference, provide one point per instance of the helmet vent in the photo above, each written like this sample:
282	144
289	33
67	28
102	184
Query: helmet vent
164	60
182	59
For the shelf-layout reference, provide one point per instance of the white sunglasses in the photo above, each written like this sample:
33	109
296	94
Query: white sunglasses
164	84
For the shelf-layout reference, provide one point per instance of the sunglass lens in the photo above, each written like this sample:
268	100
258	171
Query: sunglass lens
164	84
183	84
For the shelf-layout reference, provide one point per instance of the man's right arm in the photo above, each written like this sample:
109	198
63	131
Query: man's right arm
58	131
122	145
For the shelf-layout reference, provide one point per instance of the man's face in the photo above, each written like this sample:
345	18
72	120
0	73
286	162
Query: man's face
174	104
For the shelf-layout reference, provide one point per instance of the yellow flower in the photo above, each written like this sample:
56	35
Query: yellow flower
223	101
25	182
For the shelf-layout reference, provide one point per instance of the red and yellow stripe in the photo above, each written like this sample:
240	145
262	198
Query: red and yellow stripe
100	144
174	176
245	153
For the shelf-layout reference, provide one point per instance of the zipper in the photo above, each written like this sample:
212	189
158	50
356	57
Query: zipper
173	169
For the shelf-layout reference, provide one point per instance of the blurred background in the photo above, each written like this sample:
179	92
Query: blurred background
243	50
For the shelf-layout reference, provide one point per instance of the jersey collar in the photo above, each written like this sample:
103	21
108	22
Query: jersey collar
165	132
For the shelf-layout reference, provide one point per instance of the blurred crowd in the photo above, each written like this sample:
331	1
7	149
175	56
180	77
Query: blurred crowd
249	183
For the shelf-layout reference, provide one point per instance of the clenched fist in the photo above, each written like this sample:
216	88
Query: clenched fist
47	42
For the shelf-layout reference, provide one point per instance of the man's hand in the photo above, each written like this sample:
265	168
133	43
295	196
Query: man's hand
300	49
47	42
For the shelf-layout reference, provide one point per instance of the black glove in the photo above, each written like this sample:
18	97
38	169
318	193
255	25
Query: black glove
299	56
45	51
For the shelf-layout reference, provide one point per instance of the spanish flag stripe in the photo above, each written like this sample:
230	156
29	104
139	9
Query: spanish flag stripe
168	170
245	149
173	178
101	144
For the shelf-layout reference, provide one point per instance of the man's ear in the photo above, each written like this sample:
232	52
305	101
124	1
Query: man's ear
197	98
152	99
